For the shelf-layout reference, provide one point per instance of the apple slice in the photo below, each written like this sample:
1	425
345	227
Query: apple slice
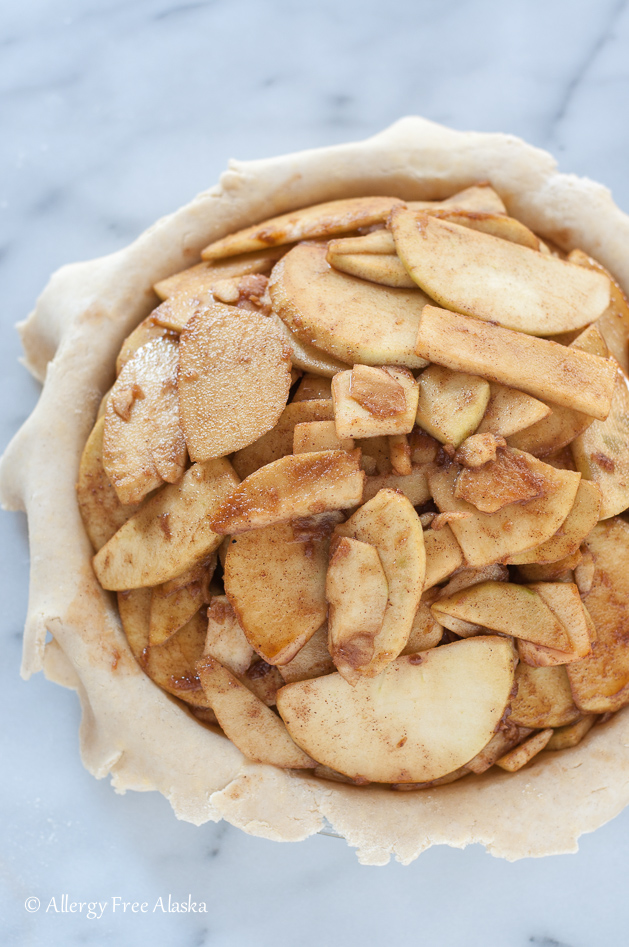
313	660
480	197
614	323
524	753
143	443
225	640
496	537
600	682
373	402
509	411
544	698
443	555
318	220
424	716
170	533
148	331
351	319
513	477
547	370
278	442
414	485
451	404
313	387
357	590
305	356
497	280
384	268
251	726
478	450
102	512
426	632
506	607
294	486
497	225
171	610
498	746
201	277
579	522
390	523
311	436
601	453
571	735
275	581
234	379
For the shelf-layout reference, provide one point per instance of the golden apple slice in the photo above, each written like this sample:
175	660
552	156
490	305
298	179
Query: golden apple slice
478	450
148	330
305	356
203	276
480	197
513	477
234	379
614	323
294	486
390	523
171	611
546	370
544	698
421	718
264	680
496	537
311	436
509	411
524	753
384	268
497	225
258	733
278	442
357	591
506	607
275	581
580	520
225	640
170	533
443	555
313	388
143	443
351	319
102	512
426	632
572	734
498	746
313	660
372	402
601	453
400	455
175	313
414	486
497	280
319	220
451	404
600	682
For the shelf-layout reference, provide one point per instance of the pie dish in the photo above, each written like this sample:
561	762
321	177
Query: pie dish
133	731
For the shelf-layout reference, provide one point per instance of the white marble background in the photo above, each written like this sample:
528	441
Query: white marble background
114	113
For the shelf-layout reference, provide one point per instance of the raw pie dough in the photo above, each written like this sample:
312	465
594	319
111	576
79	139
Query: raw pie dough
131	729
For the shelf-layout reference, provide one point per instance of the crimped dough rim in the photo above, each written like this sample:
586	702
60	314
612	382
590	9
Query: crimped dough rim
131	729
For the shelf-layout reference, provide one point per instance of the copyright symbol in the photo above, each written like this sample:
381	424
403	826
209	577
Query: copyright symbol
32	905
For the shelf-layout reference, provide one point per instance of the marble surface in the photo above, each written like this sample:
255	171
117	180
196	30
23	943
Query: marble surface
113	114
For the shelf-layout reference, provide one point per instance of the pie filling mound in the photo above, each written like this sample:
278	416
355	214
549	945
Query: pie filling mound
359	487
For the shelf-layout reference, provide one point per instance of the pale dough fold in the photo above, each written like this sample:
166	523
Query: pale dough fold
133	730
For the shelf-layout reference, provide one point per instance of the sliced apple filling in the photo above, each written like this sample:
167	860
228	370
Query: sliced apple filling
360	486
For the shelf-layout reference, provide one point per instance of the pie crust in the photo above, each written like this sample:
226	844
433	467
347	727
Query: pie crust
134	731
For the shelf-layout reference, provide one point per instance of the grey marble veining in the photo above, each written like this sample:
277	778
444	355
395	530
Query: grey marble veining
113	113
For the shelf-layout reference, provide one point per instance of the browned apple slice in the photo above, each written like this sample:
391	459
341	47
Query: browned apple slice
580	520
201	277
478	450
225	640
400	455
601	453
278	442
313	388
544	698
495	537
311	436
351	319
319	220
614	323
513	477
451	404
546	370
234	379
258	733
572	734
102	512
443	555
510	410
498	746
524	753
600	682
372	402
170	533
294	486
275	580
506	607
497	280
313	660
357	591
175	313
390	523
143	444
421	718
